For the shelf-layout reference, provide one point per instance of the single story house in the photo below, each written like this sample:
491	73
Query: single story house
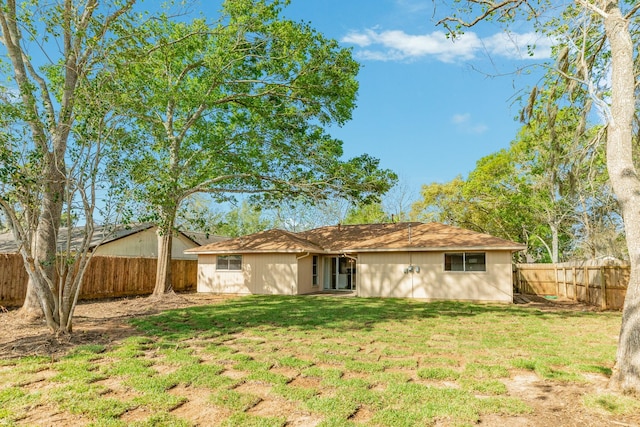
407	260
134	240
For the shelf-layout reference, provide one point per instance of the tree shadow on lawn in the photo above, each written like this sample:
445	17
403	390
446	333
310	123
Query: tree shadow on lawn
336	314
296	313
41	342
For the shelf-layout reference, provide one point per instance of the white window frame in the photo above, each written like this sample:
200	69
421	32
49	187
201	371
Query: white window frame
227	259
315	270
466	265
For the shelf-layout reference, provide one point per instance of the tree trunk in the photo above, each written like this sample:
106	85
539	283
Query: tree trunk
46	240
626	186
163	271
555	245
31	308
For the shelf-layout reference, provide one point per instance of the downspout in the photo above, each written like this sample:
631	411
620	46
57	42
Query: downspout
294	285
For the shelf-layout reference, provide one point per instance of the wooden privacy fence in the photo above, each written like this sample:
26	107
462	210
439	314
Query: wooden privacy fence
105	277
604	286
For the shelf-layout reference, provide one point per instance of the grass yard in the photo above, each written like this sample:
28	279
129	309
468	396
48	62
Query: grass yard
325	361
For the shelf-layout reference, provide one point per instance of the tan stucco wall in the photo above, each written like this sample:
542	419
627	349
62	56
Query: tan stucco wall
145	244
305	275
378	275
261	274
382	275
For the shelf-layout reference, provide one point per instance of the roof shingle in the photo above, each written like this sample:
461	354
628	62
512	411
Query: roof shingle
410	236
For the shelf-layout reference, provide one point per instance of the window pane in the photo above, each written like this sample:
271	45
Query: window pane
229	262
222	263
314	273
476	262
235	262
454	262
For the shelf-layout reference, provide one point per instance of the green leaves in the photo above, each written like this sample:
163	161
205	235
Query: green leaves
239	106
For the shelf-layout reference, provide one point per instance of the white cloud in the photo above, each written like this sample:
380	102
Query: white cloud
460	118
463	123
10	94
397	45
361	39
519	46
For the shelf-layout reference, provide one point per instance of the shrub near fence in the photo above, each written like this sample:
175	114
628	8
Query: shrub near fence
105	277
604	286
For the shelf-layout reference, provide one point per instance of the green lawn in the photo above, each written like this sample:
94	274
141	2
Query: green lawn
340	361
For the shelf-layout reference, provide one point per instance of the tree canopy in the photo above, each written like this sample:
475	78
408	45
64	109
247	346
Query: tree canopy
596	66
239	106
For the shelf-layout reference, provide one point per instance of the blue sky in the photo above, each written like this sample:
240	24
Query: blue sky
428	108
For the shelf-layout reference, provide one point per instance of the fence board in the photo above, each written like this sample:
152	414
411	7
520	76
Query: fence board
105	277
536	279
600	285
13	280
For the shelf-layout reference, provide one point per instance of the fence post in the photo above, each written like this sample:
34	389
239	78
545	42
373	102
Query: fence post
587	282
575	285
603	289
555	276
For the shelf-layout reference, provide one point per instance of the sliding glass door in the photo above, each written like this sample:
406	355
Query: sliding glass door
339	273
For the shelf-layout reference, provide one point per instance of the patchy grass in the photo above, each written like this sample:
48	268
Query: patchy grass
613	404
398	362
234	400
438	373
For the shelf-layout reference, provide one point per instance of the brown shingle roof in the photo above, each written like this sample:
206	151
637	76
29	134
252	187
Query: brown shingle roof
412	236
339	237
265	241
438	236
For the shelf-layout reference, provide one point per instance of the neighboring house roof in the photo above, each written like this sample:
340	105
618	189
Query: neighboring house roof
7	243
102	235
408	236
203	238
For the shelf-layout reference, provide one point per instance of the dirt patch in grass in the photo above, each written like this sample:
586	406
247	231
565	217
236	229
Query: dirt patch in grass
95	322
558	404
197	408
552	403
305	382
49	415
263	391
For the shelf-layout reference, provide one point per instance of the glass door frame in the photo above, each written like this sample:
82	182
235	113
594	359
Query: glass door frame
339	273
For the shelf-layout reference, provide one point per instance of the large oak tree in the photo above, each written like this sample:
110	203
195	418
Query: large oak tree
240	105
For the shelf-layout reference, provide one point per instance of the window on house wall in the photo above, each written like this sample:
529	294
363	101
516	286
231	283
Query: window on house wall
229	262
314	273
465	261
